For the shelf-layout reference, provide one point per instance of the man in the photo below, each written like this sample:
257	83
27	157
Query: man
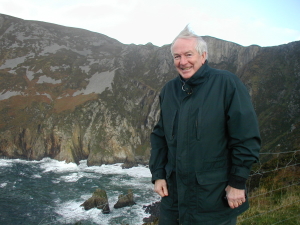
205	142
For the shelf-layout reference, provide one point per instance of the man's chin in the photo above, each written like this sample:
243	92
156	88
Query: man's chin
186	75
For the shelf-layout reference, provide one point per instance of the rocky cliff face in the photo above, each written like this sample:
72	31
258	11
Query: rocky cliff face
72	94
273	78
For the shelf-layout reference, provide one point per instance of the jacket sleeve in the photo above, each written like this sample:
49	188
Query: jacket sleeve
159	150
243	130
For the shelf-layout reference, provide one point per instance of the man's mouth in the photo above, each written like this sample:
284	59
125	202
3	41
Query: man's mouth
187	68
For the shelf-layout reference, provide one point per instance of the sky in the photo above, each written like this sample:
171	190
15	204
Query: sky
245	22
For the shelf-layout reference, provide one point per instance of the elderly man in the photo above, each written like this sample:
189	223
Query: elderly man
205	142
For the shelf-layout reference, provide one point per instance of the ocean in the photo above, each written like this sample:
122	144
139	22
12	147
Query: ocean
51	192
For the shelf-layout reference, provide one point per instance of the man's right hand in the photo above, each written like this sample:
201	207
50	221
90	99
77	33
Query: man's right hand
160	187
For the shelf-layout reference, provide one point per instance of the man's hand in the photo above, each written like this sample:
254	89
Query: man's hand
235	197
160	187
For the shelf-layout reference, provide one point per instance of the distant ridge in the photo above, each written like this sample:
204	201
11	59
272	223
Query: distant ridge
72	94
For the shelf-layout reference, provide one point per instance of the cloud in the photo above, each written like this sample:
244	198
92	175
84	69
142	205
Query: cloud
18	9
246	31
158	22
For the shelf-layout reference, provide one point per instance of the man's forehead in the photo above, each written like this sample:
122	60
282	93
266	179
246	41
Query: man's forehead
183	52
183	45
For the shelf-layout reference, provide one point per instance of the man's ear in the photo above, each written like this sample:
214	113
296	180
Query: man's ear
203	59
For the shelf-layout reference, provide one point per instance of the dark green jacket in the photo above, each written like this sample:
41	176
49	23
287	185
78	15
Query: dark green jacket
207	132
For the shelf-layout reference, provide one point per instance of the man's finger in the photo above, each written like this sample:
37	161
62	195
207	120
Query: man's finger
165	190
231	204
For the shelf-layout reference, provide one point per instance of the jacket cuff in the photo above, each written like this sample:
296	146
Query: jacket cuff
237	182
240	171
158	174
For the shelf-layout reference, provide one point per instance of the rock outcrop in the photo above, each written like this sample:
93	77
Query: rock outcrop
125	200
98	200
154	212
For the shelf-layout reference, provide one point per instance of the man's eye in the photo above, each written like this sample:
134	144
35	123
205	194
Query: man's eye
189	55
176	57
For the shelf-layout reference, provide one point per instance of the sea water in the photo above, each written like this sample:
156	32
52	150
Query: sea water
51	192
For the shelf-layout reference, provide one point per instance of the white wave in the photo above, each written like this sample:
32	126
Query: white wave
52	165
71	177
36	176
140	171
106	169
3	185
5	162
9	162
134	183
140	175
72	212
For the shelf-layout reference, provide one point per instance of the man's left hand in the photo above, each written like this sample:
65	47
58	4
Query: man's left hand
235	197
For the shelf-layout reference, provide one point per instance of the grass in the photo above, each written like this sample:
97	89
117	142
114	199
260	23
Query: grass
275	193
273	207
69	103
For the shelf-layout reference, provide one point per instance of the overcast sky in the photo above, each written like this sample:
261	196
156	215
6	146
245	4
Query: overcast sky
246	22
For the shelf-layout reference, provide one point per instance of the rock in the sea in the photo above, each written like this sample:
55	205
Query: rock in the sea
125	200
99	200
154	212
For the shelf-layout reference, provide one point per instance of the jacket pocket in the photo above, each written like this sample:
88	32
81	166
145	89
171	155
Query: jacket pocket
170	125
211	177
211	190
199	124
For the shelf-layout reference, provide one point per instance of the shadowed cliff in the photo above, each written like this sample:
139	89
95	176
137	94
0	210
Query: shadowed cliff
72	94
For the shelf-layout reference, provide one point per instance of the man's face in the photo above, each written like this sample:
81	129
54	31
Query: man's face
186	59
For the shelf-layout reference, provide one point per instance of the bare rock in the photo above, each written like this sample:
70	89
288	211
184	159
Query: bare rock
99	200
154	212
125	200
129	163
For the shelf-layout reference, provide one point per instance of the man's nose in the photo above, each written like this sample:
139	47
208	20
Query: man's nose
183	60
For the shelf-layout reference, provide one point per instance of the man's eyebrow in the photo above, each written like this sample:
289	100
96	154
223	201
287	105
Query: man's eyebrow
183	53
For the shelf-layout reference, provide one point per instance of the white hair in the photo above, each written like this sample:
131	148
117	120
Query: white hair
187	33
